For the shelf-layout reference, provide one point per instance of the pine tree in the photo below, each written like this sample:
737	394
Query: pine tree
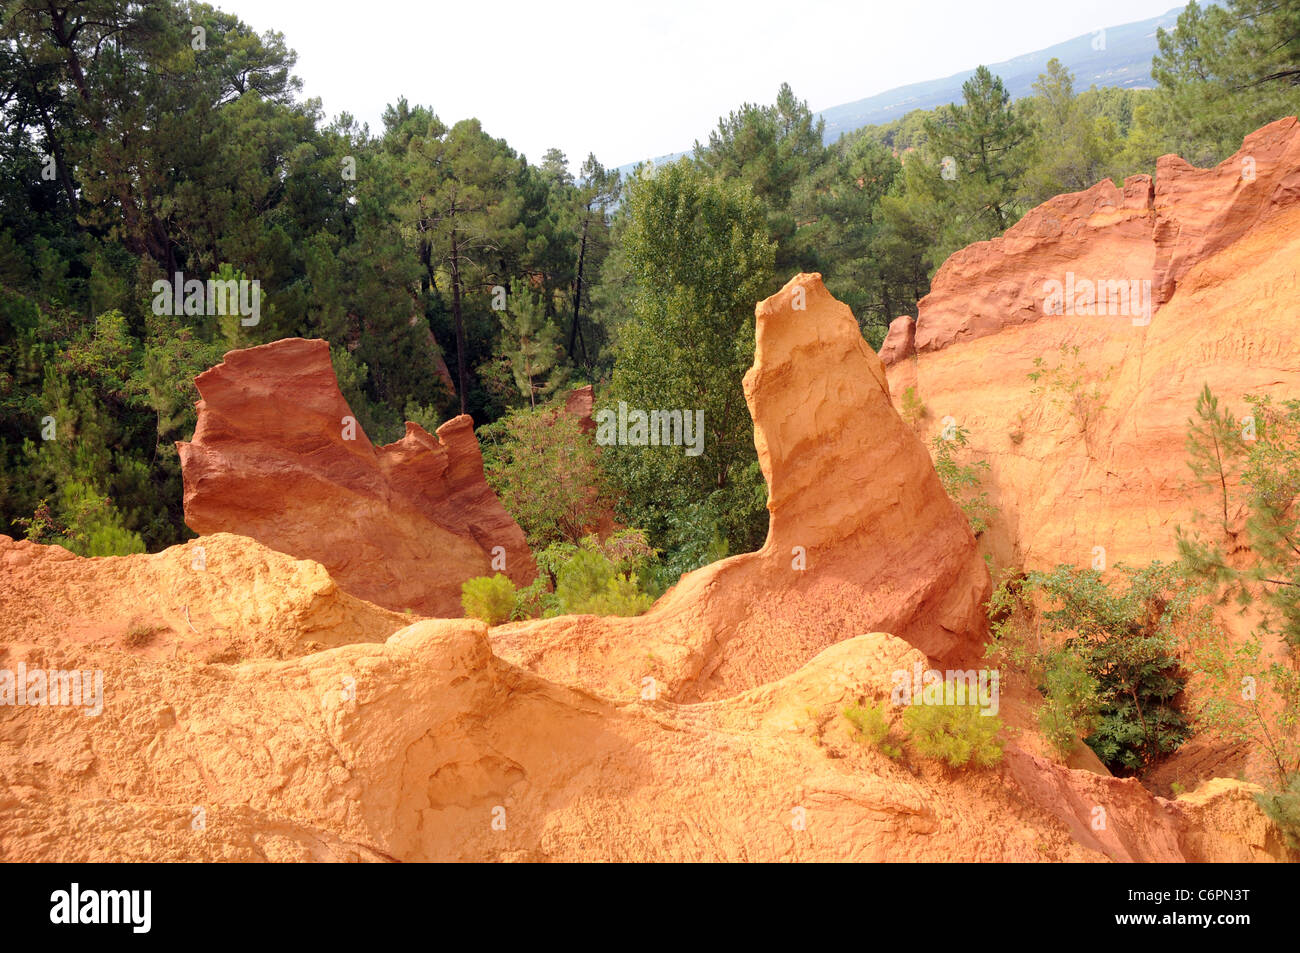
1214	449
985	138
598	188
1224	70
1270	474
532	345
1070	142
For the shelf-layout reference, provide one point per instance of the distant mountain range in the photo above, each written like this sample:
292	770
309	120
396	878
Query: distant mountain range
1123	59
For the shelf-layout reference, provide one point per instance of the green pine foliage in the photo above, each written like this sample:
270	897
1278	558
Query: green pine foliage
871	724
1252	697
1264	449
596	579
1215	447
390	243
490	599
1282	805
958	734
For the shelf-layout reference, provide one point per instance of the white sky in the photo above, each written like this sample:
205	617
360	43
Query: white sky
629	81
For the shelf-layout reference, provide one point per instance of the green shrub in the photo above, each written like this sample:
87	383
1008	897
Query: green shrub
692	539
954	734
872	724
619	596
589	583
592	577
961	481
1071	385
88	525
535	599
580	577
489	598
1248	699
1124	637
1282	806
1072	706
546	472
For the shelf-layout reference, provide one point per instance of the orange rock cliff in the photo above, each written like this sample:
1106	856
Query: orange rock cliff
1219	248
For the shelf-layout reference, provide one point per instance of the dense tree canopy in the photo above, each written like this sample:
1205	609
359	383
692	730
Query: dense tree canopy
142	139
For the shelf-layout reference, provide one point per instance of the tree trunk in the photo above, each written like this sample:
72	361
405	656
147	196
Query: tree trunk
132	237
460	324
577	290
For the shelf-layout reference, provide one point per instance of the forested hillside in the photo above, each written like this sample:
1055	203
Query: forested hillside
450	274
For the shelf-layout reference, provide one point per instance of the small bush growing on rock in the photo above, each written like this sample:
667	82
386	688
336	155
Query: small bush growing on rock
593	577
961	481
1246	698
914	410
872	725
954	734
619	596
536	599
1071	706
1071	385
589	583
1282	806
139	634
489	598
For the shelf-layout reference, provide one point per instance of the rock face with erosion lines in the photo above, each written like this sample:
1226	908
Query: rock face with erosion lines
1151	233
1218	247
278	455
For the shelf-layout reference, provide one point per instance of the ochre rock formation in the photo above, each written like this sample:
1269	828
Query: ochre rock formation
1220	251
219	596
712	728
900	342
862	536
278	455
427	746
1155	232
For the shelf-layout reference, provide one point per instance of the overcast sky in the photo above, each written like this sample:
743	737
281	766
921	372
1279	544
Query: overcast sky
630	81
